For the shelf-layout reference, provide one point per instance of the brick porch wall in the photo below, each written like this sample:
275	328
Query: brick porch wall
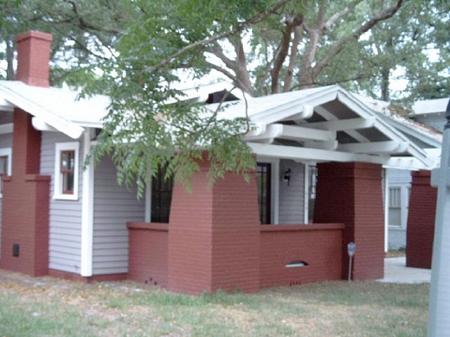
147	253
319	245
351	193
421	219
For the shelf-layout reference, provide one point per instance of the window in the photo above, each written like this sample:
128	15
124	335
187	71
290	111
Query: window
66	171
263	181
5	166
395	202
161	197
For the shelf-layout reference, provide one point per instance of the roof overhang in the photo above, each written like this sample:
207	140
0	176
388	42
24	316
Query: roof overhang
306	129
42	114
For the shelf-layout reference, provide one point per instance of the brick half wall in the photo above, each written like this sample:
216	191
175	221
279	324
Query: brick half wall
319	245
148	249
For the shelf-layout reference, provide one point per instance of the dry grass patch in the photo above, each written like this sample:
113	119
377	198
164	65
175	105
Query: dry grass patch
38	307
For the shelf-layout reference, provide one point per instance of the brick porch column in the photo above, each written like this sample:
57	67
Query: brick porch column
421	218
26	194
214	235
351	193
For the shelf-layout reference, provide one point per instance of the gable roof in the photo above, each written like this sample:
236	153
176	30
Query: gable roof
332	118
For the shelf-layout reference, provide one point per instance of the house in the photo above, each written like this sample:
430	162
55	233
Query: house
322	154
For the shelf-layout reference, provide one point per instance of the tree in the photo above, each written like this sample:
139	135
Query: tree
267	46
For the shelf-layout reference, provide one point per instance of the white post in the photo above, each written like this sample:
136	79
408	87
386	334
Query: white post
439	317
87	210
306	194
386	210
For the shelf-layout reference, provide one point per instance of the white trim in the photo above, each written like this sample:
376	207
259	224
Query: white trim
6	128
67	127
41	125
7	151
71	146
302	154
290	132
148	202
306	194
87	210
390	146
344	124
386	209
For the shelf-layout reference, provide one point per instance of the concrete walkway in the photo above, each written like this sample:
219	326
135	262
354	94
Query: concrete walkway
395	271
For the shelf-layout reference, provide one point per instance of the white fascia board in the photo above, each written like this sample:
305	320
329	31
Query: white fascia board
40	125
70	129
344	124
301	153
390	146
292	133
359	107
406	163
428	139
303	107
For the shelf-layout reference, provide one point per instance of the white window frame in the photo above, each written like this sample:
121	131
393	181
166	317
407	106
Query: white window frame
7	151
57	188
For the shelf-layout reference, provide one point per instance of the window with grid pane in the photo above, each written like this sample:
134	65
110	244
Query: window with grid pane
263	180
67	171
161	197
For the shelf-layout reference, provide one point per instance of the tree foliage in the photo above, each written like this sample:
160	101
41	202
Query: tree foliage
135	51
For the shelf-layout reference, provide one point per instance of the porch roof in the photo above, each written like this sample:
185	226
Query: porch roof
318	124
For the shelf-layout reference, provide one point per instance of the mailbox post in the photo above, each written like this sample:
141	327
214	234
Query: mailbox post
351	250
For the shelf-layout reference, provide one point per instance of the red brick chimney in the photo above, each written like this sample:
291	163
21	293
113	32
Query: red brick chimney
33	56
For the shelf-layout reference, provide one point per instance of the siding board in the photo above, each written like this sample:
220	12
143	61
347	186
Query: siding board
292	196
114	206
65	215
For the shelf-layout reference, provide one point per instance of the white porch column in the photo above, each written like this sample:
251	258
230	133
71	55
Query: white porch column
87	210
386	209
439	322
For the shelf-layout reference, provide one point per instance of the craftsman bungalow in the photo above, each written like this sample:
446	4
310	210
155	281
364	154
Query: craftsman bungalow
321	155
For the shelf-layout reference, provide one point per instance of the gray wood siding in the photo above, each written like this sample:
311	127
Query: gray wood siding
114	206
65	215
5	142
292	196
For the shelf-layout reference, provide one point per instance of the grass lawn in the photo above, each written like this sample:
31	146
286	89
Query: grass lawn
49	307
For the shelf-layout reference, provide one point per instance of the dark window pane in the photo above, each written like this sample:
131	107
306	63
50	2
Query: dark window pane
263	181
161	197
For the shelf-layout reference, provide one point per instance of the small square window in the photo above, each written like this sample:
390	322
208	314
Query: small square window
66	171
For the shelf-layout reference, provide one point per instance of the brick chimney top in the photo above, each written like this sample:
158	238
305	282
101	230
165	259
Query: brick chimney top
33	57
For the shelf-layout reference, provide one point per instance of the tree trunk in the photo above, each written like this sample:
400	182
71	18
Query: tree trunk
10	75
385	84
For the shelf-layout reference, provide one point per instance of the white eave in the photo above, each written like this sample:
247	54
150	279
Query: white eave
54	108
317	140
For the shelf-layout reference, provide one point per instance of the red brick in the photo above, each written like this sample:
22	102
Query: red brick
147	254
421	219
25	203
33	56
351	193
214	235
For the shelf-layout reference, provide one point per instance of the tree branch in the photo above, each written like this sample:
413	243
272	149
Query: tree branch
240	27
339	45
283	50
